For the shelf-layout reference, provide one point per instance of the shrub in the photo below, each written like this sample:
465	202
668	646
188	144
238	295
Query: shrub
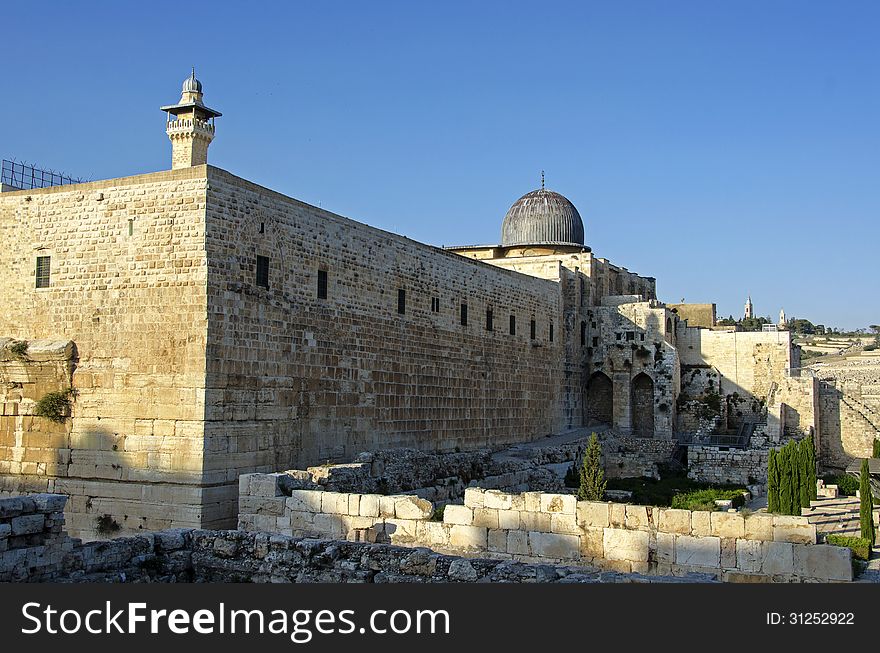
54	406
866	505
437	515
705	499
846	483
106	525
19	349
861	548
572	476
592	478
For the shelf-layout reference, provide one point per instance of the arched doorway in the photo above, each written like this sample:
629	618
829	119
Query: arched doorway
643	406
599	399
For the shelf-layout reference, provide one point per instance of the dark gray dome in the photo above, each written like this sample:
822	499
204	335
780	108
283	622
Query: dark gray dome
542	217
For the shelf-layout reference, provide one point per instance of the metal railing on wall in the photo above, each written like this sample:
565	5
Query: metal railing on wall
25	176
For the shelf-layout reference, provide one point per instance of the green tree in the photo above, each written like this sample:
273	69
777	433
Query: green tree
807	471
876	452
592	487
811	449
866	508
773	482
784	461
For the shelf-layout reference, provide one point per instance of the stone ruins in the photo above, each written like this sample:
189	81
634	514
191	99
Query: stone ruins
173	339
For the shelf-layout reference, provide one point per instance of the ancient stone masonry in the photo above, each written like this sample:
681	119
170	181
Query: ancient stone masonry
34	549
728	466
537	527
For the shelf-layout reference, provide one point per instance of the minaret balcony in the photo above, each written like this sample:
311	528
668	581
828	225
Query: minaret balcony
189	126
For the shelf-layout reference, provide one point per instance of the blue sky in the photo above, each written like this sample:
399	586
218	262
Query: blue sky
724	148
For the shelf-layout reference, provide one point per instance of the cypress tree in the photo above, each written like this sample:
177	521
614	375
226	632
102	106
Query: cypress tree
772	482
876	452
866	508
811	450
784	480
804	464
592	485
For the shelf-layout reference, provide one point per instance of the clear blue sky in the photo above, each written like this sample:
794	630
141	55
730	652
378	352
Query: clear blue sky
722	147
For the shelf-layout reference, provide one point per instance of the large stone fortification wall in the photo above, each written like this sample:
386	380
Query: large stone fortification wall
294	379
539	527
849	399
127	286
33	548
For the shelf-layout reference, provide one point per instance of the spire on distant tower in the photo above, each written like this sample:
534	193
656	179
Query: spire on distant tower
749	311
190	125
542	180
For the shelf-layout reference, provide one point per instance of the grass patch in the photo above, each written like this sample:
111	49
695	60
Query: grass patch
705	499
860	546
651	492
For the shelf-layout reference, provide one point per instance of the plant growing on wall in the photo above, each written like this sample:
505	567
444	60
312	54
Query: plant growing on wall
592	486
773	482
866	507
54	406
19	349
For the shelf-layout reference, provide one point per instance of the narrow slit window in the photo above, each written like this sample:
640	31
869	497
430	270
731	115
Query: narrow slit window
489	319
532	329
551	332
401	301
583	333
435	304
464	315
44	264
513	325
322	284
263	271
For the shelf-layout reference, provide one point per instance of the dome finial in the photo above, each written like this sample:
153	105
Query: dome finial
542	180
194	72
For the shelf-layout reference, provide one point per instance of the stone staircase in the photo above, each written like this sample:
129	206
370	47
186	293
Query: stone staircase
869	414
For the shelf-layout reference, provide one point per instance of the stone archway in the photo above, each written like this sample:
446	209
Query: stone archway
643	406
599	399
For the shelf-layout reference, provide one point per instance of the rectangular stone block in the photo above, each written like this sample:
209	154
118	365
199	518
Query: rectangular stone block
354	504
412	507
698	551
497	500
535	521
564	503
369	505
497	541
592	545
49	502
778	558
758	526
727	524
262	505
386	506
728	553
620	544
27	524
329	525
564	523
473	497
304	501
749	555
532	501
637	518
789	528
618	515
508	519
554	545
701	523
266	485
5	531
823	562
468	537
594	514
459	515
666	548
518	543
301	521
674	520
486	517
435	534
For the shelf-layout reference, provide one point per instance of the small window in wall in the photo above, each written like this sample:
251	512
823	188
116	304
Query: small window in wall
435	304
642	337
619	335
532	329
322	284
130	227
583	333
630	335
551	332
595	341
43	267
513	325
464	315
489	319
401	301
263	271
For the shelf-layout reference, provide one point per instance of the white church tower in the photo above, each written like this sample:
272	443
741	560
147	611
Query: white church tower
190	126
749	309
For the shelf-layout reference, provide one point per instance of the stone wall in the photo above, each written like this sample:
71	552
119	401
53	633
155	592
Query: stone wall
728	466
33	548
539	527
127	286
629	457
696	315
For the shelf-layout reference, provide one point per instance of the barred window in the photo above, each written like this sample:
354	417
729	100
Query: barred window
43	268
263	271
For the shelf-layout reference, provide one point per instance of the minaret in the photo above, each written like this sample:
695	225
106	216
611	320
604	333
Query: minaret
190	126
749	310
781	318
